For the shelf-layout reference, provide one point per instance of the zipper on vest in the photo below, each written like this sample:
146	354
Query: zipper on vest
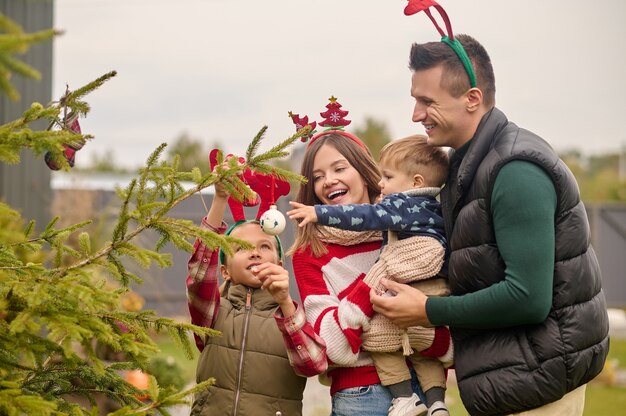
243	348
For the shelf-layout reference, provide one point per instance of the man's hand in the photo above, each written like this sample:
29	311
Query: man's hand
407	308
305	213
276	281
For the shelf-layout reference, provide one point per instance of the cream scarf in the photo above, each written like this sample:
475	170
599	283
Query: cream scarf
332	235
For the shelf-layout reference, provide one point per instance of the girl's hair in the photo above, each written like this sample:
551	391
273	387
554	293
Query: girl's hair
413	155
360	158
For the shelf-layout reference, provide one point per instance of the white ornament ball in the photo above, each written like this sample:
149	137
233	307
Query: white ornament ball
273	221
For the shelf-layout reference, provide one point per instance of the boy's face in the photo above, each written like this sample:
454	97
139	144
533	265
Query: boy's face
394	180
238	266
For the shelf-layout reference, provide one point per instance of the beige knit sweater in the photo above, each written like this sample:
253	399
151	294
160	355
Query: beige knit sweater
417	261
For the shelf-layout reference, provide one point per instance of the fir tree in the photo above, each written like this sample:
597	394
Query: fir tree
56	306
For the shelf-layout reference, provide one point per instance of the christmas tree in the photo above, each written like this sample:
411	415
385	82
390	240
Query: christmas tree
57	309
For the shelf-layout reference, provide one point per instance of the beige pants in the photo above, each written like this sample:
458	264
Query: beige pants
392	369
572	404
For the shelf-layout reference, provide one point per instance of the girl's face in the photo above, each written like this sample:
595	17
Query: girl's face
238	267
335	180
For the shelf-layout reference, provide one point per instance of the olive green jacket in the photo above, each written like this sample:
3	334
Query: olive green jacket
249	361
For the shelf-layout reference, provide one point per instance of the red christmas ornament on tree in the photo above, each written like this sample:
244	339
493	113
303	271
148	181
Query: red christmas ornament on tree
70	149
334	116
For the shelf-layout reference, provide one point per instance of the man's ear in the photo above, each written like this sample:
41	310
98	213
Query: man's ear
418	181
474	99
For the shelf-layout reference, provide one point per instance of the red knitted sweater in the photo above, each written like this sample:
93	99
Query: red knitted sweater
337	304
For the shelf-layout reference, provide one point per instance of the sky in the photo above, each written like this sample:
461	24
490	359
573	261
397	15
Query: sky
220	70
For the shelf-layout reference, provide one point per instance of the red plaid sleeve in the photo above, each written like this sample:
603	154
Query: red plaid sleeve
305	348
203	297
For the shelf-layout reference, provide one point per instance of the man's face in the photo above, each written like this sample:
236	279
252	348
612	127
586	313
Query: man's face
444	117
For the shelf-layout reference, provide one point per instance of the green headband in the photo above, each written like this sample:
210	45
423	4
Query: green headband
230	229
465	60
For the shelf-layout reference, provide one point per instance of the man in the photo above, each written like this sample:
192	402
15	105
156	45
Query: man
527	315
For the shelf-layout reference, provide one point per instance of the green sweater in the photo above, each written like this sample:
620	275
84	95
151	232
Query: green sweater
523	206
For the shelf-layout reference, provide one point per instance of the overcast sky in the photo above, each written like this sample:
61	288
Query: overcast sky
219	70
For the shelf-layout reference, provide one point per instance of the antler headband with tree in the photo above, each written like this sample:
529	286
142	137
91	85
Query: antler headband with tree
416	6
334	121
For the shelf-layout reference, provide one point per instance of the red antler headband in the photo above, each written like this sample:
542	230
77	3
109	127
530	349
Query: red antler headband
268	189
416	6
334	122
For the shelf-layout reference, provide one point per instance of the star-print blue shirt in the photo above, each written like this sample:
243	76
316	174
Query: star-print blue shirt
411	213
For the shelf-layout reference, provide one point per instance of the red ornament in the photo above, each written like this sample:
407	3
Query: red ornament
334	116
267	187
70	149
302	122
416	6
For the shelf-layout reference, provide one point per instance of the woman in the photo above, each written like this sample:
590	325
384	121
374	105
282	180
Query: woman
329	266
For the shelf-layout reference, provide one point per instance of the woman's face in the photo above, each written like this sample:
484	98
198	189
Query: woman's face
335	180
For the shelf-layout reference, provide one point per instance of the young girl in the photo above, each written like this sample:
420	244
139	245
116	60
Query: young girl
267	348
329	266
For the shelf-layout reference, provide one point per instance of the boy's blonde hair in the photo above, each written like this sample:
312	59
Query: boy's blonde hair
413	155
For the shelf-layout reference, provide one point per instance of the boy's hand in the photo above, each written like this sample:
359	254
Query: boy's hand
305	213
275	280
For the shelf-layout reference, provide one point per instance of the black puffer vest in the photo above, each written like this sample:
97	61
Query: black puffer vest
249	361
514	369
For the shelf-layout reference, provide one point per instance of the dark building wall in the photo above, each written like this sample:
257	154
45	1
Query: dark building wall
608	229
26	186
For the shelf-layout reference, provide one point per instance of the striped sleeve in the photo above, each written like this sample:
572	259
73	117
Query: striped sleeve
339	313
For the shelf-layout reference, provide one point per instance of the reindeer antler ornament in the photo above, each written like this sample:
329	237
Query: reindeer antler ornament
268	189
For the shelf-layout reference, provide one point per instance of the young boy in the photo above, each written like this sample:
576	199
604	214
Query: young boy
414	249
256	370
